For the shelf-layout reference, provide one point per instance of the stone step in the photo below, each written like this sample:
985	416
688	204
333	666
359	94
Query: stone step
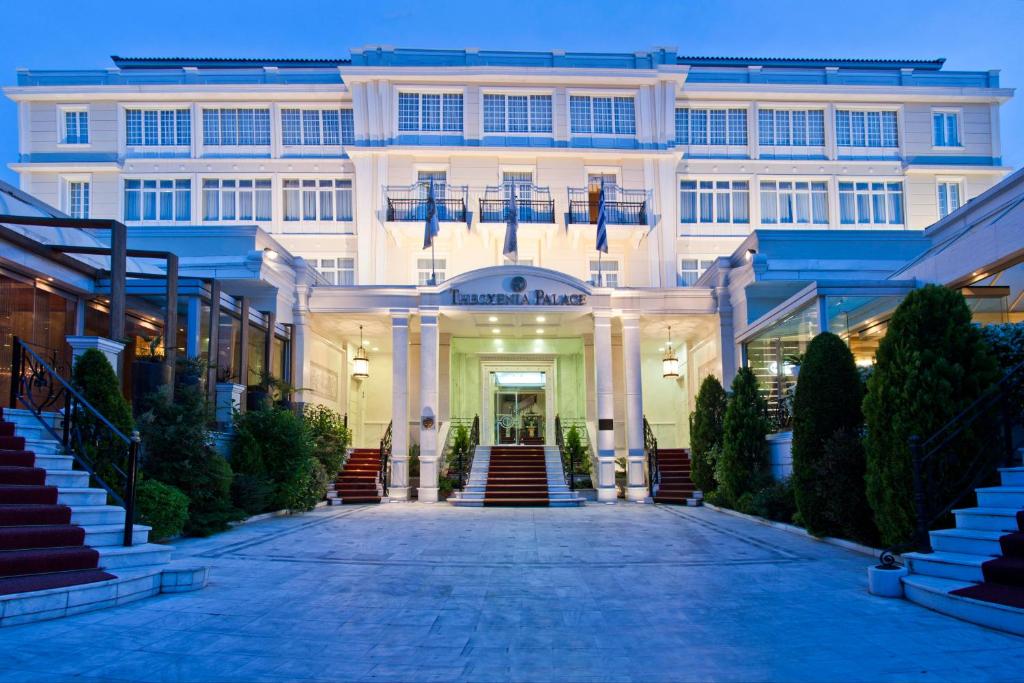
947	565
102	535
54	462
1001	497
998	519
67	478
88	515
44	447
967	541
24	417
123	557
1012	476
81	496
935	593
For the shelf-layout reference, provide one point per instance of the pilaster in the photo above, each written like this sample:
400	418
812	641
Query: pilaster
429	352
606	491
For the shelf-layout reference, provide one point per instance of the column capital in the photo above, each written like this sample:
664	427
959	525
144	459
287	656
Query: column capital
630	319
399	318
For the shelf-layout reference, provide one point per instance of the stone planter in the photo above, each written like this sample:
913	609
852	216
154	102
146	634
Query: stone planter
885	582
780	454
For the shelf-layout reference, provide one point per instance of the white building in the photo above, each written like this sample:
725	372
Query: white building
838	165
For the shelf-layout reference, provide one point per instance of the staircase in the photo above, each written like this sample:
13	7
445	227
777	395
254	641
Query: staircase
359	479
675	487
976	571
516	476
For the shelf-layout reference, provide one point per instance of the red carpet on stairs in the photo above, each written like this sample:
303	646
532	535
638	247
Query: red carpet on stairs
358	479
39	547
1004	576
676	486
517	476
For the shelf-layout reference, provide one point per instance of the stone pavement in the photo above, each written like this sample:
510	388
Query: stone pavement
415	592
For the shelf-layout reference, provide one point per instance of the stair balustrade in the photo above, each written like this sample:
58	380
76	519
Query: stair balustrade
651	447
385	458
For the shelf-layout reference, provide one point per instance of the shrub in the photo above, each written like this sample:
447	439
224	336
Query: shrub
177	450
706	432
95	379
743	464
847	514
774	501
275	445
330	436
250	493
1007	342
574	452
162	507
827	401
931	364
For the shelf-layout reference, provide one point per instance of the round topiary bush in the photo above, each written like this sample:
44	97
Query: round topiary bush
162	507
742	466
931	364
95	379
828	402
706	422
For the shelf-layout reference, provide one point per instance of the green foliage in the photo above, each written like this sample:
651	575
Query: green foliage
706	423
330	436
774	501
277	446
847	514
573	451
931	364
414	459
96	381
827	402
1007	342
251	493
742	466
162	507
177	450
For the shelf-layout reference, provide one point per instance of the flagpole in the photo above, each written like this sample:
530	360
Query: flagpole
433	272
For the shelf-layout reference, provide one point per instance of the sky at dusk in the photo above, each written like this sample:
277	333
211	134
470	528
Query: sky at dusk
970	34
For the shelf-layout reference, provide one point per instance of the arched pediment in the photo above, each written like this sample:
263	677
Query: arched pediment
511	285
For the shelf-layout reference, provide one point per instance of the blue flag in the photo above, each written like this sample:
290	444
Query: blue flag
602	223
433	225
511	248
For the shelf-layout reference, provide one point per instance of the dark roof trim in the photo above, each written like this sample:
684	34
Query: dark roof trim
800	63
221	63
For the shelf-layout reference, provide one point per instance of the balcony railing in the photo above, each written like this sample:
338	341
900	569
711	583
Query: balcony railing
624	207
533	204
409	202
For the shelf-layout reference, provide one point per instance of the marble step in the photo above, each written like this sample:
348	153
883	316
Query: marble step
67	478
1012	476
947	565
967	541
102	535
1001	497
75	497
88	515
122	557
935	593
997	519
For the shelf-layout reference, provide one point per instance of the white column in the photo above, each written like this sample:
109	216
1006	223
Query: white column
108	347
429	351
606	491
399	488
637	482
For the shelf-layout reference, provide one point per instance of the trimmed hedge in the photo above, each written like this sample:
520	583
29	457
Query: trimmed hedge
706	424
97	382
276	446
162	507
743	465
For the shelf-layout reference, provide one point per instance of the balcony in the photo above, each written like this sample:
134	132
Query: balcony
623	207
409	203
534	204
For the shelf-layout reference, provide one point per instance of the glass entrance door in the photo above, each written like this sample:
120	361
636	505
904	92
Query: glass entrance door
519	407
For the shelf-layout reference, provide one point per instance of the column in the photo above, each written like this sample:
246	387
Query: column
243	342
429	351
194	316
399	488
214	349
637	482
606	491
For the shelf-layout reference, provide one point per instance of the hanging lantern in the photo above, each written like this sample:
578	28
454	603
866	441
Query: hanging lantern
360	364
670	364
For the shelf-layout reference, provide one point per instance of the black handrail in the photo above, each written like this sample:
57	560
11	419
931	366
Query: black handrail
385	456
651	446
37	386
619	213
560	442
530	210
474	441
415	209
460	464
932	458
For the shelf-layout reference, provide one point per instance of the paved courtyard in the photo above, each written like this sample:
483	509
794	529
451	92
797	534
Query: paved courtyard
433	593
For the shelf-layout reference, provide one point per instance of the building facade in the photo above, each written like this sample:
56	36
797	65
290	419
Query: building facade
731	184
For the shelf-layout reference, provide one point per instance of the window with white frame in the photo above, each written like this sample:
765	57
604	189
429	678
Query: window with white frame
425	268
75	126
948	196
871	203
945	129
338	271
430	112
157	199
711	126
241	127
604	272
785	201
329	127
158	127
690	269
856	128
791	127
236	199
323	199
77	199
714	201
602	115
517	113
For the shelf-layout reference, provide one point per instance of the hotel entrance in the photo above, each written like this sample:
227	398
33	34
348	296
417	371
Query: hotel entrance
519	407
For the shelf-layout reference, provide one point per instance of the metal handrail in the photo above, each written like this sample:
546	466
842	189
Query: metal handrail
454	424
529	210
651	446
82	424
562	428
385	456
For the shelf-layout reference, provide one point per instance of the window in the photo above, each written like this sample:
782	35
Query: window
691	269
424	269
871	203
78	198
711	126
338	271
945	129
602	115
949	197
517	113
791	128
604	273
230	200
245	127
866	128
714	201
317	200
317	127
429	112
157	200
794	202
158	127
76	127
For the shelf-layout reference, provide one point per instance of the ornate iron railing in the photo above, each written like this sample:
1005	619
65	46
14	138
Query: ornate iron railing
623	207
651	446
529	210
457	464
409	202
85	434
573	467
960	456
385	458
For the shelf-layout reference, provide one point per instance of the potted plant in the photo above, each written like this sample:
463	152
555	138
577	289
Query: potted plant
531	426
269	390
149	372
575	458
